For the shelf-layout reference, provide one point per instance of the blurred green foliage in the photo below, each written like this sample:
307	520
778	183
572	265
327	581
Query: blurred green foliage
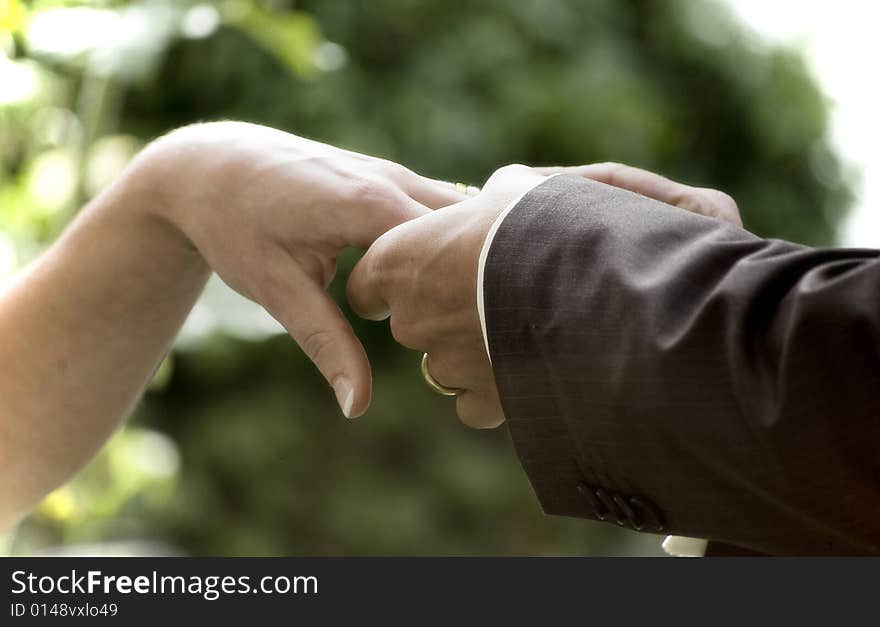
238	447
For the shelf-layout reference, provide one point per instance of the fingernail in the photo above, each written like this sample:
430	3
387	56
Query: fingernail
344	395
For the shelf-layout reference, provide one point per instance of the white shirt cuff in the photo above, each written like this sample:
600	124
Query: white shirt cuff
679	546
484	254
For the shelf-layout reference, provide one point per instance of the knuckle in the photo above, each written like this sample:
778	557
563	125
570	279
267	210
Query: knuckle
319	267
723	199
370	191
395	171
509	174
378	262
512	169
726	207
266	286
613	171
611	166
316	343
690	199
712	203
373	279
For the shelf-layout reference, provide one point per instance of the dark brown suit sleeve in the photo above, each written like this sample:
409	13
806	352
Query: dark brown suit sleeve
671	372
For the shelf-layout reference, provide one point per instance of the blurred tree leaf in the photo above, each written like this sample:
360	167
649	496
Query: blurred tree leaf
12	15
291	36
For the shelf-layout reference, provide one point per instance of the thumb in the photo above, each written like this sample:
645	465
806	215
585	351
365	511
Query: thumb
316	323
370	277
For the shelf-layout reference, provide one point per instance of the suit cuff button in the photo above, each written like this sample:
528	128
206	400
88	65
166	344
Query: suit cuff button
607	500
648	513
600	511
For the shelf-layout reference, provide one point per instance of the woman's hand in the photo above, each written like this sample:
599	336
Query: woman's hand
83	328
270	212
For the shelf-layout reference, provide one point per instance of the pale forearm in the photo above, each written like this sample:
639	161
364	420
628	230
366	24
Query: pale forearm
81	332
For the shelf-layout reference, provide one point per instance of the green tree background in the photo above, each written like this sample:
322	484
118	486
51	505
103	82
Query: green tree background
238	448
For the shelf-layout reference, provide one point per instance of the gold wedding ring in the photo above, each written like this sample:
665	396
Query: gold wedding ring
434	384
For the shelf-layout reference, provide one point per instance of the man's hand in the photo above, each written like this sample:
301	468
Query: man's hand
270	212
702	200
423	274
